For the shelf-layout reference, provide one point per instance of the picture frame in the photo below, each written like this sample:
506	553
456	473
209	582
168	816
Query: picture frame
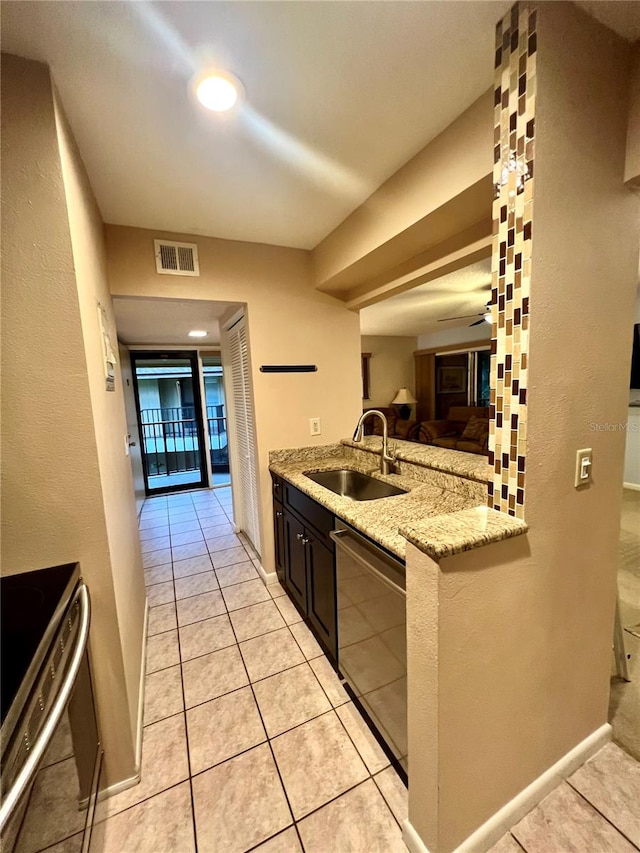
452	380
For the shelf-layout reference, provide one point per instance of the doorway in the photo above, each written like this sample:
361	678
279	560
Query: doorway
216	419
169	406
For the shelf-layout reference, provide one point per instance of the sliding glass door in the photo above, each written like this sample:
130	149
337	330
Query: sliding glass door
216	419
172	434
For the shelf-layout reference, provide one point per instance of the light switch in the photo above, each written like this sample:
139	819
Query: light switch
583	467
314	426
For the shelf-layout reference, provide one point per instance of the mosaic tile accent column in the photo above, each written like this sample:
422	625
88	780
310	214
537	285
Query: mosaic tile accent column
514	129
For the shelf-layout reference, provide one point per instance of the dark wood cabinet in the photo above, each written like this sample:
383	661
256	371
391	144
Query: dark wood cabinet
305	560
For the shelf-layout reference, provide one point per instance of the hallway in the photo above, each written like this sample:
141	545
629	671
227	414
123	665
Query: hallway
248	734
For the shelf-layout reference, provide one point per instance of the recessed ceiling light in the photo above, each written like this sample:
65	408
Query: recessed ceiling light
218	91
198	333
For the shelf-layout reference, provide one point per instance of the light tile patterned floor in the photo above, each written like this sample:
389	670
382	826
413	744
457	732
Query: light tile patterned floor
250	741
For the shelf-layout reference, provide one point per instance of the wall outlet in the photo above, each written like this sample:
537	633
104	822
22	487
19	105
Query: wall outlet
314	426
584	461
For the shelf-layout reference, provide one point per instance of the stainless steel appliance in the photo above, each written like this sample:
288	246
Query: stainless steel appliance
372	635
50	750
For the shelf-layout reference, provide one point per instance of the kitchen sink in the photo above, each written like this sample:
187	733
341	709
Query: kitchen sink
354	485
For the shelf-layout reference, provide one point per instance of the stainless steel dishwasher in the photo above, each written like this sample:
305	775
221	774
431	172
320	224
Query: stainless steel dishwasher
372	634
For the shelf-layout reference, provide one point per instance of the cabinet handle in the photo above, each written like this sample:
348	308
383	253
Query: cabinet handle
299	536
304	541
276	485
278	513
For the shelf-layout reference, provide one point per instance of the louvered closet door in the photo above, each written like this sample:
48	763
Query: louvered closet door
243	406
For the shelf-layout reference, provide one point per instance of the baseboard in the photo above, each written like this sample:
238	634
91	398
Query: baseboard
235	527
268	578
634	486
501	822
143	673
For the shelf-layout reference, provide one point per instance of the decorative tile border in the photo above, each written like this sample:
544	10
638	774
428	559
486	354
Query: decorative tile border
514	129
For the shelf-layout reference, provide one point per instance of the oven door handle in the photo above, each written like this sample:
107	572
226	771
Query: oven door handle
30	767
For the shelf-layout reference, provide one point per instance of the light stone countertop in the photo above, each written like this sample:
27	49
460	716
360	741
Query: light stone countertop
438	521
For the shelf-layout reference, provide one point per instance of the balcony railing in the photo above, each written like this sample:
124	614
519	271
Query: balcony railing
170	436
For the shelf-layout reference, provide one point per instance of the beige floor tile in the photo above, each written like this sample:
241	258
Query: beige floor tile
223	728
563	821
153	532
69	845
330	682
229	557
256	620
239	803
270	653
360	733
199	607
213	675
204	637
156	558
216	529
611	783
305	639
153	524
160	593
245	594
186	537
162	618
185	552
288	611
284	842
238	573
196	584
159	543
394	792
359	821
223	543
192	566
162	651
290	698
162	695
162	824
164	763
507	844
158	574
184	526
276	591
317	762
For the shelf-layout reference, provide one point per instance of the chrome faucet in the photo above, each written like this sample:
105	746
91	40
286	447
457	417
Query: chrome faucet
386	460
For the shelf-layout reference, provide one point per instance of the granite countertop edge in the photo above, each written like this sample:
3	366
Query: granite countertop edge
450	526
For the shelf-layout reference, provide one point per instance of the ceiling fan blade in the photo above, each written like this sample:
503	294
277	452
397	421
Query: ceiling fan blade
477	322
464	317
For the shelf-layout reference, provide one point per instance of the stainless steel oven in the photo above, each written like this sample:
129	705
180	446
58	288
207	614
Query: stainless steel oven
372	636
50	749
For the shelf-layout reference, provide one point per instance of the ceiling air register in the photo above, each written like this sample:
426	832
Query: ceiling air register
176	258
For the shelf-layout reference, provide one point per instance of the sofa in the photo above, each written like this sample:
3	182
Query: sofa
466	428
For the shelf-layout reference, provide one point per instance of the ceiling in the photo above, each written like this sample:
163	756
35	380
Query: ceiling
166	322
417	312
339	96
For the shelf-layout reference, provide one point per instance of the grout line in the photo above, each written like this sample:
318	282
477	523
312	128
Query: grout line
511	835
603	816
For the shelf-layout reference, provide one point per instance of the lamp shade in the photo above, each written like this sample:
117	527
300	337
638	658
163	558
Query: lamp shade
403	397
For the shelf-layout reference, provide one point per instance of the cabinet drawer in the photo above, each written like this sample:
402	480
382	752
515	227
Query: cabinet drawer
277	487
310	511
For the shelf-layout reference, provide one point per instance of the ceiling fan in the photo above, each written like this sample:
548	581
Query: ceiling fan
485	316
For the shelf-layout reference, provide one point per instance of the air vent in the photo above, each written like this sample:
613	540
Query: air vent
176	258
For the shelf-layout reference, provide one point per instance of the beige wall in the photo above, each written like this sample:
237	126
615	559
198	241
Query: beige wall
458	161
52	500
109	419
632	164
289	323
135	454
522	630
391	367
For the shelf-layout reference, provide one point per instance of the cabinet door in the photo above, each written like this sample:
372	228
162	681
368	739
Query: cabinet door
278	533
321	592
294	562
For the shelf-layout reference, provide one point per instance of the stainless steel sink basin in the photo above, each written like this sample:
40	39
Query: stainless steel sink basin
354	485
